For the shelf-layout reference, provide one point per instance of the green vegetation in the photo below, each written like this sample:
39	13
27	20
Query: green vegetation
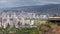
29	30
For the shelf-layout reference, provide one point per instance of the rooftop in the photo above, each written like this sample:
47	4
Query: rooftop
54	18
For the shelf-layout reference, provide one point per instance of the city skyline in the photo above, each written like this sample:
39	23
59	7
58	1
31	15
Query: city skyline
22	18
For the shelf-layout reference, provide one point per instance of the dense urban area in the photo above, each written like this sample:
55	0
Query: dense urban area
29	16
27	23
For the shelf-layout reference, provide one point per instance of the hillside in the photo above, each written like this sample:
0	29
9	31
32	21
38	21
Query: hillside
51	9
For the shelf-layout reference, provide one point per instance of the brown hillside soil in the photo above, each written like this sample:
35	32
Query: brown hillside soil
52	29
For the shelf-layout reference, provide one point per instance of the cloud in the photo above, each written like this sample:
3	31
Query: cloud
14	3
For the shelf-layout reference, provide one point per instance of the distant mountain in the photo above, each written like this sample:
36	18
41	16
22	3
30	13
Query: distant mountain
51	9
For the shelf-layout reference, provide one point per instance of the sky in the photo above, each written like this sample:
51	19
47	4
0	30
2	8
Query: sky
20	3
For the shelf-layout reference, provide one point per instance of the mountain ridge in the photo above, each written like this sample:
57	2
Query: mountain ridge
51	8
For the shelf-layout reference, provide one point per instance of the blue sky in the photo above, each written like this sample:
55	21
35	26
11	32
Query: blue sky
19	3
